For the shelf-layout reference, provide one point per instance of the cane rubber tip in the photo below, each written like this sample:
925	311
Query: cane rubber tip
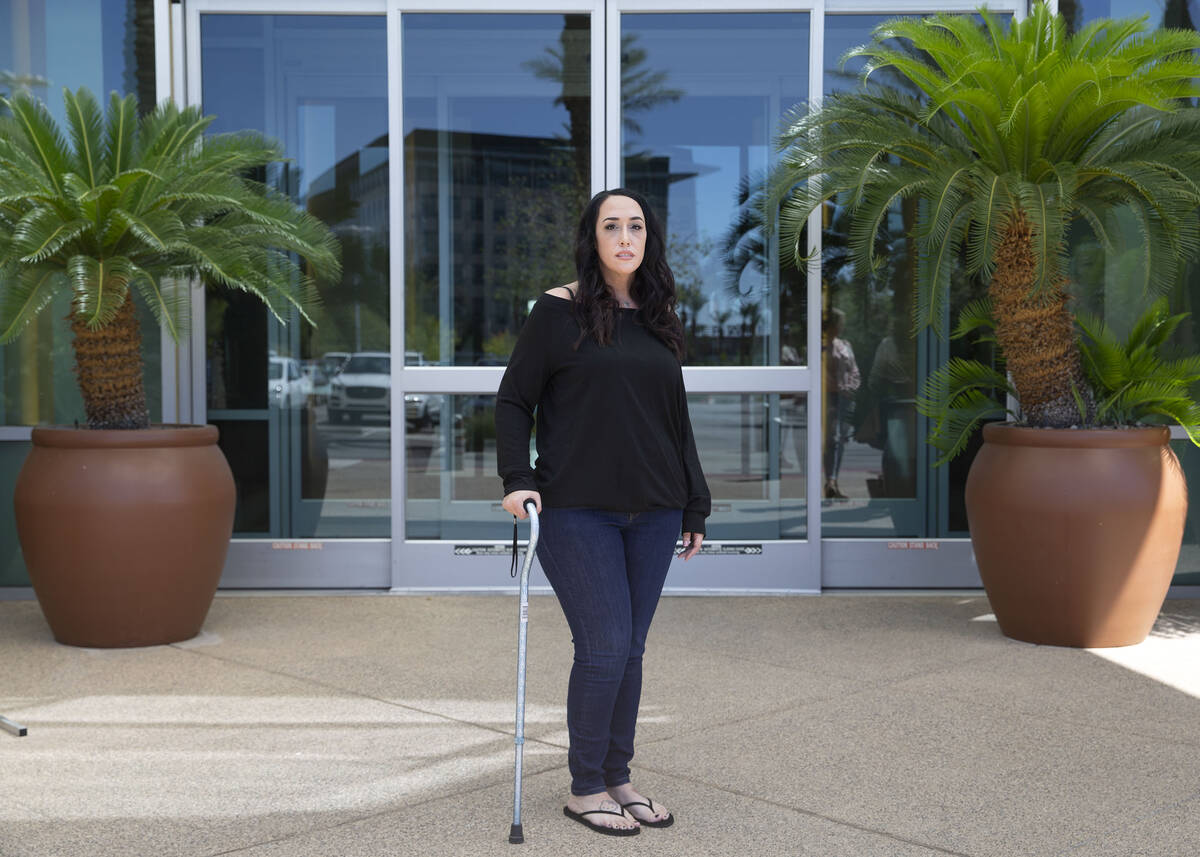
515	835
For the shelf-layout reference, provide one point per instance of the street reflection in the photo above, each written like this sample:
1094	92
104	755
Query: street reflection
753	448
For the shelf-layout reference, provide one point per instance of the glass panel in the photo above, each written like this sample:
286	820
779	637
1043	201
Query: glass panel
450	449
246	446
46	46
497	112
754	452
752	448
1187	572
12	564
1163	13
1104	279
306	410
701	97
877	469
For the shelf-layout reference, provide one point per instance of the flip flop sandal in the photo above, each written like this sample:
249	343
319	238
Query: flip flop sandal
649	804
600	828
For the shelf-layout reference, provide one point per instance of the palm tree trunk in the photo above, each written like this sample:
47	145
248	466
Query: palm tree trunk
1036	336
108	366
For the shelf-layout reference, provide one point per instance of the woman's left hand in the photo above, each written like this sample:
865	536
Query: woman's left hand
691	544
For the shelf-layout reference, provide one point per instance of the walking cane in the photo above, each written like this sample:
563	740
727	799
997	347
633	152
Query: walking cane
515	835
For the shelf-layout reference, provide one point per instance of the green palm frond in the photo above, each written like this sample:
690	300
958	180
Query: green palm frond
958	397
989	124
976	315
168	300
86	123
1136	379
36	135
100	286
121	207
121	135
1037	113
27	291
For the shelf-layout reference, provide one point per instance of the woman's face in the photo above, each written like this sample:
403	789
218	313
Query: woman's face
620	238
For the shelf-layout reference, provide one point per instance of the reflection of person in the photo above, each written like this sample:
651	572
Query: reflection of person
793	407
893	389
841	382
619	476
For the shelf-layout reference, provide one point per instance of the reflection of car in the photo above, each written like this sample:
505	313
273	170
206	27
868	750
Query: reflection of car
422	409
362	388
333	361
287	385
317	377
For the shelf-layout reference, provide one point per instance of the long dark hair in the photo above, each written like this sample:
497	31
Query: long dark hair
653	284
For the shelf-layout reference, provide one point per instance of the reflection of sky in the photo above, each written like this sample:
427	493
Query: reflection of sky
70	43
336	95
843	32
477	64
1093	9
738	73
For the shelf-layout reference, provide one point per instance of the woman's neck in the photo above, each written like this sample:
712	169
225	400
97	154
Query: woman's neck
621	288
624	298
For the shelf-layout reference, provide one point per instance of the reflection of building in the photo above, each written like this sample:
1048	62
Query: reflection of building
353	196
509	213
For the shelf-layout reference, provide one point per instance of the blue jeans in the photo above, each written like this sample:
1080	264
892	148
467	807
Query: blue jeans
607	569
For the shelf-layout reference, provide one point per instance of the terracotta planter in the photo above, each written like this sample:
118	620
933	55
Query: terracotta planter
125	532
1076	533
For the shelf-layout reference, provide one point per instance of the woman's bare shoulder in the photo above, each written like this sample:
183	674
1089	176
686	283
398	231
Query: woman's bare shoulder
566	292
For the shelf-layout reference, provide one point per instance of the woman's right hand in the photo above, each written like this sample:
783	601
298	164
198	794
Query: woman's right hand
514	503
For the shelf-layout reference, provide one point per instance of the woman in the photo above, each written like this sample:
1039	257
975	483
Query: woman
617	480
842	381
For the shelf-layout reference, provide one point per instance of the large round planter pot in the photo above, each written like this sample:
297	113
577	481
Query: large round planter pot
1076	532
124	533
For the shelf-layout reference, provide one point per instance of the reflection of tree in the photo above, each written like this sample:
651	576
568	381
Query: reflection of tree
421	328
641	88
721	318
538	229
567	66
745	250
1178	15
353	315
139	52
19	84
750	313
684	255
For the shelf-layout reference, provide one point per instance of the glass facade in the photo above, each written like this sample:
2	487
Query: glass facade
877	477
304	411
355	431
497	157
46	46
1107	282
701	97
758	493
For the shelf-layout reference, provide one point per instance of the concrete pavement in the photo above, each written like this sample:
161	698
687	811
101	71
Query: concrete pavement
831	726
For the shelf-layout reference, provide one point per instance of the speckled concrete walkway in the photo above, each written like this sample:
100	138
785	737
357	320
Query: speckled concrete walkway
832	726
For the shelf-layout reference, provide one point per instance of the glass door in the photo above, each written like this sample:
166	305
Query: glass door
305	412
890	518
509	121
451	145
497	130
699	99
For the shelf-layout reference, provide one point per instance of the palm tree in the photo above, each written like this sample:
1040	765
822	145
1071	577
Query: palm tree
1014	135
721	318
130	207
